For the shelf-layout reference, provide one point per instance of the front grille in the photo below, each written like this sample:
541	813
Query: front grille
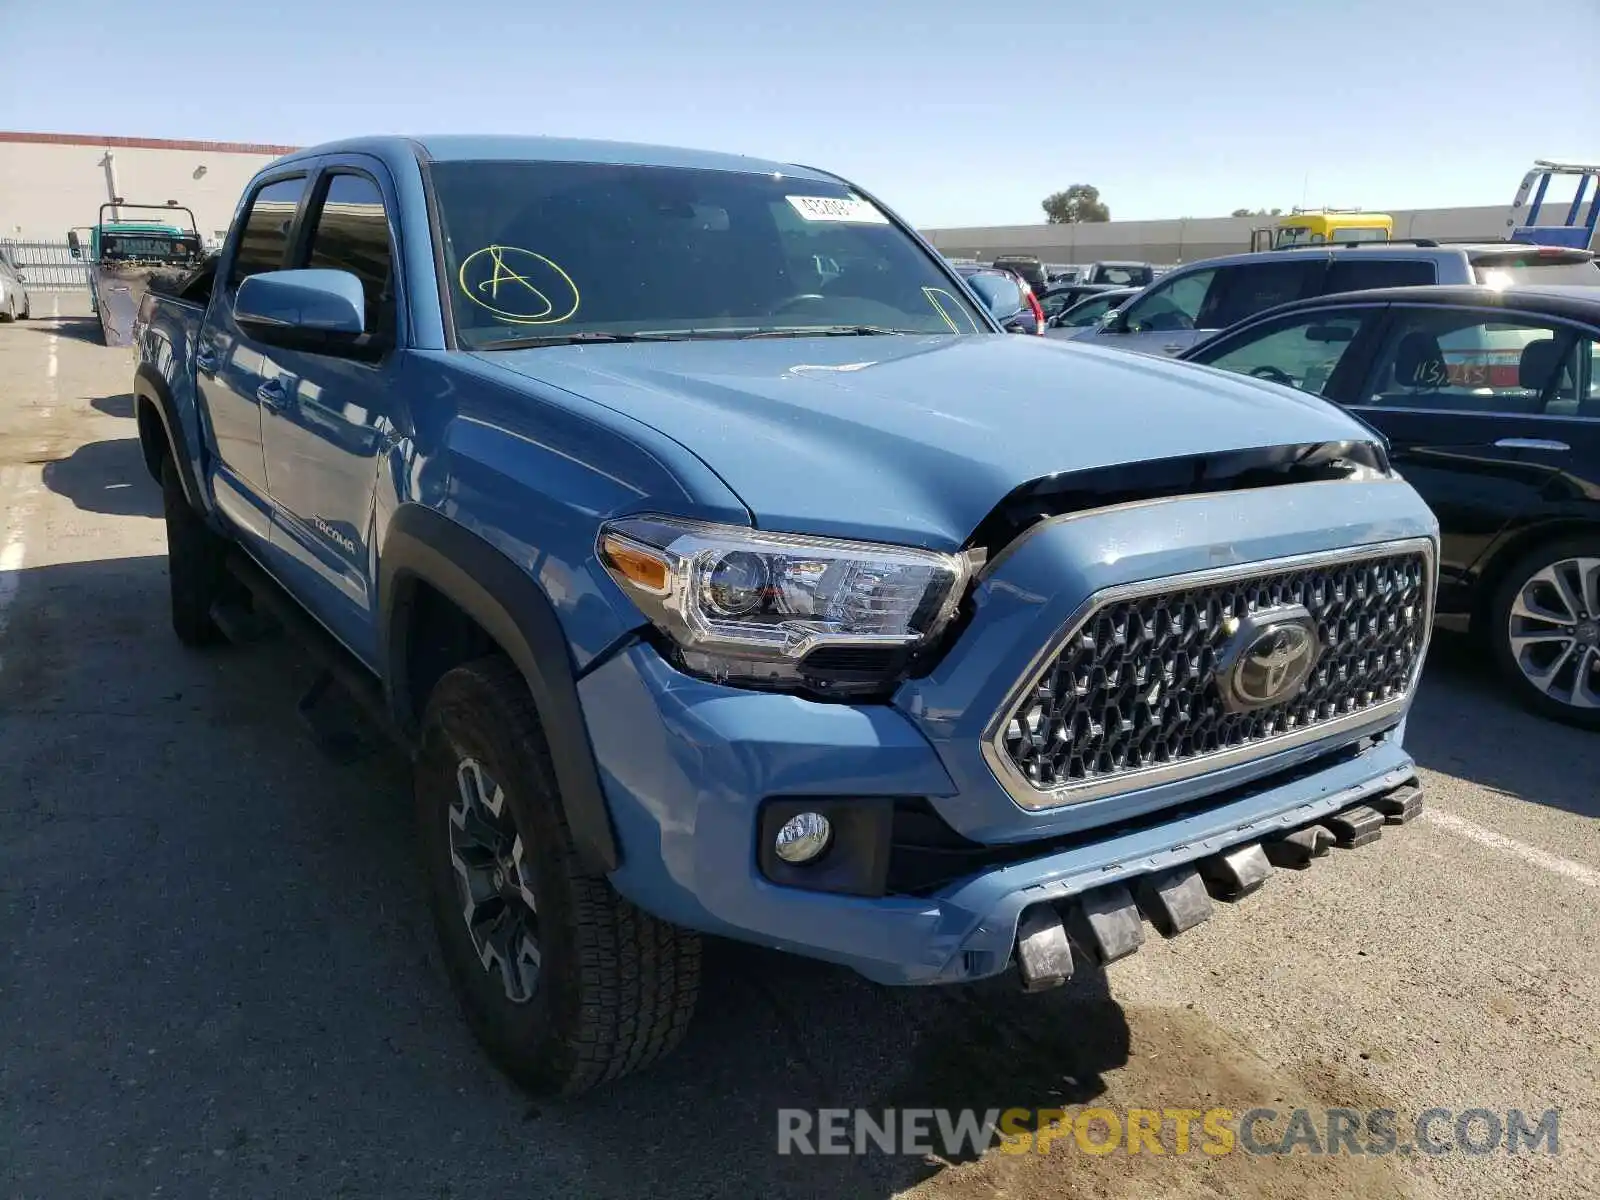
1134	687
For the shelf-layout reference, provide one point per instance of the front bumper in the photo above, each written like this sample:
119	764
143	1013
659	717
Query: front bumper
687	763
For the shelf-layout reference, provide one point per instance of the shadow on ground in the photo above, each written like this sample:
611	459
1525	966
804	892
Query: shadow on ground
222	962
81	329
1465	723
114	406
106	477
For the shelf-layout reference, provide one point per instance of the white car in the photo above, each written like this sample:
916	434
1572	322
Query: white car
14	299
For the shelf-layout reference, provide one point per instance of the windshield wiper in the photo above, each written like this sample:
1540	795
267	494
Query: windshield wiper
830	331
573	339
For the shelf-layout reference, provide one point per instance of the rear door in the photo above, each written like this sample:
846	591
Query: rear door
1494	417
231	367
328	419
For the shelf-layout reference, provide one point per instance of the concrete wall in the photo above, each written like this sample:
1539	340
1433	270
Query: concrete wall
1184	240
52	182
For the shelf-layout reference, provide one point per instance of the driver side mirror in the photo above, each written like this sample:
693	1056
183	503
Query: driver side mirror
320	311
73	245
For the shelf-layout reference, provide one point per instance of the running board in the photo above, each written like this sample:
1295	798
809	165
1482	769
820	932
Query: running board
338	664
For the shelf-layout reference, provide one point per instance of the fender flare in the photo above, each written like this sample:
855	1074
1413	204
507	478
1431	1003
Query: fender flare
422	546
150	388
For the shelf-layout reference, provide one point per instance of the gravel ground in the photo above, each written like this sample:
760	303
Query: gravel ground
217	975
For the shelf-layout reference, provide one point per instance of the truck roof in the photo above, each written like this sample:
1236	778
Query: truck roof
513	148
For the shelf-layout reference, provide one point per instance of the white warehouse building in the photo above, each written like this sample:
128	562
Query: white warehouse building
53	182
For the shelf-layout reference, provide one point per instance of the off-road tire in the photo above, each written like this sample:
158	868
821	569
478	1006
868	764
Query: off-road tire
194	564
1498	631
616	987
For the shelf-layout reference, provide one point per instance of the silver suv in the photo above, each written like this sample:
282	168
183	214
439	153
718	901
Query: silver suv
1186	306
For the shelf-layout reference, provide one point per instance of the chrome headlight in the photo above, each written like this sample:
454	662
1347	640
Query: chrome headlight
781	609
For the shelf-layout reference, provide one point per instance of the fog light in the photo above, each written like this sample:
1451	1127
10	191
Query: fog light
803	838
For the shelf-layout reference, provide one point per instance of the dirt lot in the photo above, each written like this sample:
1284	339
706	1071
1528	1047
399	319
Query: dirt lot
217	976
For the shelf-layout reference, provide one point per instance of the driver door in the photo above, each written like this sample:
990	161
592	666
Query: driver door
329	419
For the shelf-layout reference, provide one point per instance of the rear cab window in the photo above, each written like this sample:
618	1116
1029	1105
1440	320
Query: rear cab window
1366	234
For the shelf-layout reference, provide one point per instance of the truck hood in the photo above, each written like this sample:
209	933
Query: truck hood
916	438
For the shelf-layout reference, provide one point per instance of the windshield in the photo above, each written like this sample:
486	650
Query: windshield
1126	276
563	250
1295	235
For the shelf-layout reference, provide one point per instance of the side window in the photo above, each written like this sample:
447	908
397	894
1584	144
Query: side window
1059	303
1355	274
351	233
1465	360
1302	353
1087	313
265	236
1590	406
1172	305
1250	288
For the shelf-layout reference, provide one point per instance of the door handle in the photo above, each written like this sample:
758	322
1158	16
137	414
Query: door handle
272	395
1532	444
1173	347
205	361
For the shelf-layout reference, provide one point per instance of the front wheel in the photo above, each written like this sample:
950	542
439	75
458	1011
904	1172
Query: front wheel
564	982
1546	630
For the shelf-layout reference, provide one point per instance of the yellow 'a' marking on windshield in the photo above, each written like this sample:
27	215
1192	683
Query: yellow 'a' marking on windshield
521	295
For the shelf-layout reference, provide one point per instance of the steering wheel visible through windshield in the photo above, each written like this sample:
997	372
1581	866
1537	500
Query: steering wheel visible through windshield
559	251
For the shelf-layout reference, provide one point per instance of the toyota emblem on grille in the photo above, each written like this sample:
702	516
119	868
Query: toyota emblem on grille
1268	658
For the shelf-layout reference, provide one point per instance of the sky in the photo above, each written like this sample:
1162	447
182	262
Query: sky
953	113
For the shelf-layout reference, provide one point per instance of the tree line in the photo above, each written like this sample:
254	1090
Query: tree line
1080	204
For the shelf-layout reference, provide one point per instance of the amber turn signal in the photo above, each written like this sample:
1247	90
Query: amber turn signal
634	563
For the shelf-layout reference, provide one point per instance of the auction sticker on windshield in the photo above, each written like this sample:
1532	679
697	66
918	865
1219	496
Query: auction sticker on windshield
835	208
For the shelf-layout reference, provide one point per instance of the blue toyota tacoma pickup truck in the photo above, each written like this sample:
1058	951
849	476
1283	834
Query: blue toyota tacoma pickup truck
726	569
